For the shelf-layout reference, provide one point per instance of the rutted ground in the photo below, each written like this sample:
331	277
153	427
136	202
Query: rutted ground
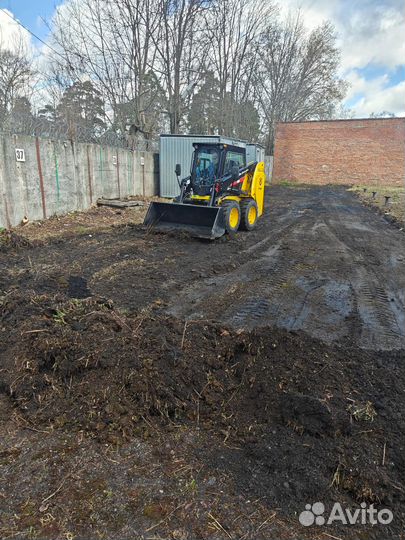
319	262
329	267
127	411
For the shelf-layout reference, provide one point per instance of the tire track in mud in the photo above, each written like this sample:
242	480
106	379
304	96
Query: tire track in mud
276	270
272	282
312	274
319	262
379	308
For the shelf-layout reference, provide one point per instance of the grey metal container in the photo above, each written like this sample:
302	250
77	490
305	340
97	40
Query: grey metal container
254	152
179	149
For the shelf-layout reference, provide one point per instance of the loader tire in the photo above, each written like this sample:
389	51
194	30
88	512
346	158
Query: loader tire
249	214
232	213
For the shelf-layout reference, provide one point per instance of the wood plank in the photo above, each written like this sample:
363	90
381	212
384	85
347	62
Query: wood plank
119	203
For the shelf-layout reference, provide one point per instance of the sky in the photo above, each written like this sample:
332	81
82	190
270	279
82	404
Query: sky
370	35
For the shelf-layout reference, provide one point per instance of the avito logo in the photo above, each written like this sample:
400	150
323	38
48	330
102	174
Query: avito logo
314	514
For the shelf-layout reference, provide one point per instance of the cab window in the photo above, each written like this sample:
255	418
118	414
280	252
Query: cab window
207	160
233	159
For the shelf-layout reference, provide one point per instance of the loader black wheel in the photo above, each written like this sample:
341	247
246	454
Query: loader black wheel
249	214
231	210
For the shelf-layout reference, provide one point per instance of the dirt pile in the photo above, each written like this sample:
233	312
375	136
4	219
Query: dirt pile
11	240
294	418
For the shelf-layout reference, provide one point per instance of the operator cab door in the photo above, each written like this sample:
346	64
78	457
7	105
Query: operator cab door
206	168
234	158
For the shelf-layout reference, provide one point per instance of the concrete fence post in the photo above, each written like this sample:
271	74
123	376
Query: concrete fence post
4	213
56	177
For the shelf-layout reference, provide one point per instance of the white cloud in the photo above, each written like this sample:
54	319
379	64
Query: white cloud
360	85
373	37
370	32
314	12
11	33
375	97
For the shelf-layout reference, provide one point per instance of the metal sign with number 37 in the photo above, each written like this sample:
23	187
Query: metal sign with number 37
19	154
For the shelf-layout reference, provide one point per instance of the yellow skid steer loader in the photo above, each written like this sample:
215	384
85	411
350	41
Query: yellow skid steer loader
222	194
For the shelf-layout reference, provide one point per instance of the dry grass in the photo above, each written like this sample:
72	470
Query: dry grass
362	411
95	219
396	205
114	271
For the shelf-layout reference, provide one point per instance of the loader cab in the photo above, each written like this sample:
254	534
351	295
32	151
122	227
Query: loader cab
213	161
234	157
206	166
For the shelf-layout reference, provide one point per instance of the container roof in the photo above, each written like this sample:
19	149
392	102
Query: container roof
221	138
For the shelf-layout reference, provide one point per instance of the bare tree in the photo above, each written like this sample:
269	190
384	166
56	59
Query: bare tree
223	66
298	76
15	76
180	47
110	42
382	114
234	28
134	23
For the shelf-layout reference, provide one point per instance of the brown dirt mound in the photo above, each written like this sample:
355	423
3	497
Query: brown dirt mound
11	240
299	419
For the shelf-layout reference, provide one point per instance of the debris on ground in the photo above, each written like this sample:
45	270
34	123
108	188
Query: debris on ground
9	239
78	223
120	203
287	417
156	386
387	201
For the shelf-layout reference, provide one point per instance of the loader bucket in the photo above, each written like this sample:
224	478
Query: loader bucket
199	221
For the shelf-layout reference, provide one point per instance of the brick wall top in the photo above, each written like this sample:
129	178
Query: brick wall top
336	123
358	151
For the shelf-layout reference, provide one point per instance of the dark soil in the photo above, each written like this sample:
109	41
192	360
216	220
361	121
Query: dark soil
393	212
119	418
11	240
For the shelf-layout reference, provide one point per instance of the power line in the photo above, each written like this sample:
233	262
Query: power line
70	67
34	35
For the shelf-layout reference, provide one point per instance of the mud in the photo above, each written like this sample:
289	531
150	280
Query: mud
320	262
159	386
328	267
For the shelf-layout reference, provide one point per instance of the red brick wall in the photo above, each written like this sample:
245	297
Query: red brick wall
341	152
